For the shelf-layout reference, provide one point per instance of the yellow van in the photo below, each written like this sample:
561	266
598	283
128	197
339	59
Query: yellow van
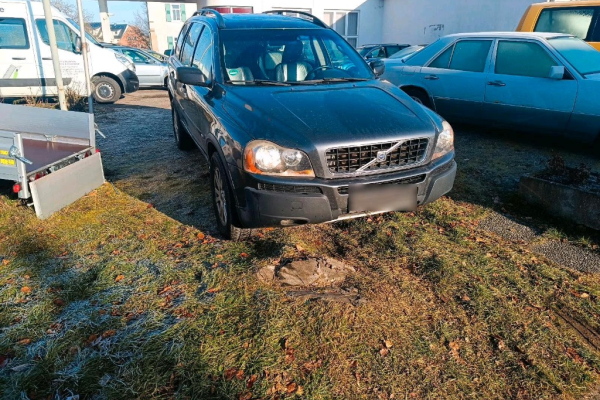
579	18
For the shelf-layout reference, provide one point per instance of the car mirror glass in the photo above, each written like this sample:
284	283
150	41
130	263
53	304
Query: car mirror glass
192	76
557	72
378	67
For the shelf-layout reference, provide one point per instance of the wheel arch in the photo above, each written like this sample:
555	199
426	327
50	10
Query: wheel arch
406	88
111	76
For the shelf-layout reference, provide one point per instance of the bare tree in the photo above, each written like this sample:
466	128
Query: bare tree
141	27
70	10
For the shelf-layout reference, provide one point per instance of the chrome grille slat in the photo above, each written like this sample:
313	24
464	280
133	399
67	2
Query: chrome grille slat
344	160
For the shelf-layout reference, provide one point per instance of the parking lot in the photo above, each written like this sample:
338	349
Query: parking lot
130	292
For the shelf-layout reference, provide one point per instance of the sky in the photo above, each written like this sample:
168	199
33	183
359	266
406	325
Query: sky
123	11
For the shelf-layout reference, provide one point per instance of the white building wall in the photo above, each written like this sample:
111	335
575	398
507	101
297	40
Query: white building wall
423	21
369	25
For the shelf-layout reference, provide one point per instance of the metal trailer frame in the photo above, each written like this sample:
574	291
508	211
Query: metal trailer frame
50	155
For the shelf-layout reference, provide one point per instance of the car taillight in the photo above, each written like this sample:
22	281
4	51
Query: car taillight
16	188
97	150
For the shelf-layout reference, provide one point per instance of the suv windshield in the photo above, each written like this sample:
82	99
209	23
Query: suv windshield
583	57
289	56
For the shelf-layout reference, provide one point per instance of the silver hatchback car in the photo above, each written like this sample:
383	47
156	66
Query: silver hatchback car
150	71
542	82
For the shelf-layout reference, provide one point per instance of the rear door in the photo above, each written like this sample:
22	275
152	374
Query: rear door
456	79
519	92
18	68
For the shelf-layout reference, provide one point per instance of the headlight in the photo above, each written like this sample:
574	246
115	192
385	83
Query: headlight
125	61
445	141
266	158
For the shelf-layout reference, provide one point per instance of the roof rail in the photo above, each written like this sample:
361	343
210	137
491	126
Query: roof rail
315	20
209	11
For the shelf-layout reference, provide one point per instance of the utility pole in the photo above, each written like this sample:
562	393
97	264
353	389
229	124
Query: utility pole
84	54
54	51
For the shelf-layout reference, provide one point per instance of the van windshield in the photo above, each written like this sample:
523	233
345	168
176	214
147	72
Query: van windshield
89	37
289	56
583	57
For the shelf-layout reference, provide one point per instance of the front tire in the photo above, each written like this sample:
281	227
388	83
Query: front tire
182	138
106	90
223	203
420	96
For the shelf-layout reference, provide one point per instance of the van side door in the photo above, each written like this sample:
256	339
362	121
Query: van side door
19	74
520	92
71	60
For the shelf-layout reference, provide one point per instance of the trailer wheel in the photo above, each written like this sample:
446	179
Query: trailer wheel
223	202
106	90
182	138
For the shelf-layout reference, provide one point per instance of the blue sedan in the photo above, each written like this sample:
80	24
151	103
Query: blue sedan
542	82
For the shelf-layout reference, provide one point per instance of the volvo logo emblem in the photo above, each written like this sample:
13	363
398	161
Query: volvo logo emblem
382	156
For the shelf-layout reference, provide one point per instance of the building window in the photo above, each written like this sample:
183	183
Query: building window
176	12
233	10
345	23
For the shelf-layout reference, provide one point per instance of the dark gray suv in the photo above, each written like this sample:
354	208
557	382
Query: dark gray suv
297	127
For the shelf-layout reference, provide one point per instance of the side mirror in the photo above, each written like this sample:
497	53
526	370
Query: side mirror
168	52
192	76
78	45
557	72
378	67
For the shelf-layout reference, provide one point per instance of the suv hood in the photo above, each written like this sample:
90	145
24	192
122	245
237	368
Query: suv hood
318	117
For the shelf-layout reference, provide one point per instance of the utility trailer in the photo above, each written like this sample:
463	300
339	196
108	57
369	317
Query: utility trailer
50	155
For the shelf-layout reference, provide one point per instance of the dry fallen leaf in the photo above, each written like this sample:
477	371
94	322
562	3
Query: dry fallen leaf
291	387
384	352
454	347
251	381
388	344
25	290
300	391
200	236
109	333
230	373
119	278
59	302
5	262
244	255
574	355
24	342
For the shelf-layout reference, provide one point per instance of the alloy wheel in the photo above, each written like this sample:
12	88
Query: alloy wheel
220	196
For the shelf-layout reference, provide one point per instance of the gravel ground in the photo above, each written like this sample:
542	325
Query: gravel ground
570	256
141	158
509	228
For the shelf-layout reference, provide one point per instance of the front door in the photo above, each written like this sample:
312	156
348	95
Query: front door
18	69
71	60
456	79
520	93
147	69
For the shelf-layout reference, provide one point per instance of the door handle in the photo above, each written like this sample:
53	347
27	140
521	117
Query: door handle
432	77
19	58
497	83
47	58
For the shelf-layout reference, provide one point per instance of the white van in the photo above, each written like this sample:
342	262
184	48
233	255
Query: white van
26	67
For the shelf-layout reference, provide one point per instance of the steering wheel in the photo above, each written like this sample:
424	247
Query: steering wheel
324	67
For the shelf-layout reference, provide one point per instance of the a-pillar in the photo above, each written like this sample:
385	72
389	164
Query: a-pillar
107	35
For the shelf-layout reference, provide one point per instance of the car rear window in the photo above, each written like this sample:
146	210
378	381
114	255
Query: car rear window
574	21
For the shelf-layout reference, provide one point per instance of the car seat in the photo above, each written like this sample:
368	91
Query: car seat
293	67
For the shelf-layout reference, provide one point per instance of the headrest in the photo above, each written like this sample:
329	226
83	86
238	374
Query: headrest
293	52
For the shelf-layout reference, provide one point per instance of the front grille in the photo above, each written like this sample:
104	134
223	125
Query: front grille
343	160
343	190
290	189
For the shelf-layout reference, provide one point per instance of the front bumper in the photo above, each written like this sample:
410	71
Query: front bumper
272	202
130	81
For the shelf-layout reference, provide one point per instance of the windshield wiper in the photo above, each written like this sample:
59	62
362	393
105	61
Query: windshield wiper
265	82
333	80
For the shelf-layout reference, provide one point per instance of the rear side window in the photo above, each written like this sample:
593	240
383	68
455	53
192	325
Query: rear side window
465	55
189	44
13	34
575	21
523	59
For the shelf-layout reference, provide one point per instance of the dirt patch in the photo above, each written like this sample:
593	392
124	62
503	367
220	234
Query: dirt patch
309	272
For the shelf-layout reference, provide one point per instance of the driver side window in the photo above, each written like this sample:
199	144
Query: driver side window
66	39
